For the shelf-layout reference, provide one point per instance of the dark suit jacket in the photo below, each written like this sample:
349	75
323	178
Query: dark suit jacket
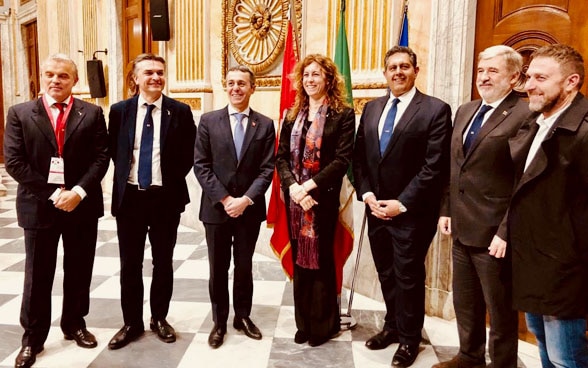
336	152
29	144
415	160
177	143
220	173
481	183
548	217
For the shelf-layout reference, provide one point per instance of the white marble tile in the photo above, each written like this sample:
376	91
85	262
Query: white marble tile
187	316
193	269
11	282
267	292
236	351
10	311
183	251
441	332
8	259
106	266
286	324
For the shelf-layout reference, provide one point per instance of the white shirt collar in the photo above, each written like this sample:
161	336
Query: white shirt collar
51	101
233	110
406	97
157	102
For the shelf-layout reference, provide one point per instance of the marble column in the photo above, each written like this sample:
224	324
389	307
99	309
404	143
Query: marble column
451	48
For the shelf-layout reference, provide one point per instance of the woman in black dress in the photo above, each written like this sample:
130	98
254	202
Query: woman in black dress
316	144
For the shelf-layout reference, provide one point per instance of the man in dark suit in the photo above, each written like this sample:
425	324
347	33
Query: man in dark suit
56	148
549	208
151	142
474	208
234	163
400	157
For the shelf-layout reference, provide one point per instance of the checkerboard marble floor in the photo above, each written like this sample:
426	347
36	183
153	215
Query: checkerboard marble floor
190	314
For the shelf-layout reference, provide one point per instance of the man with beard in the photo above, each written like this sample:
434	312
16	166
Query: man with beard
474	209
549	208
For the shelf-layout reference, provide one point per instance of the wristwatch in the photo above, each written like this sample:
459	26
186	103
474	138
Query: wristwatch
401	207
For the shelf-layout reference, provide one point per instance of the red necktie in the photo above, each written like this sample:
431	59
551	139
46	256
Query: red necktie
60	127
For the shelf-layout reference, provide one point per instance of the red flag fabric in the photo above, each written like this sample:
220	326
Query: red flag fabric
276	214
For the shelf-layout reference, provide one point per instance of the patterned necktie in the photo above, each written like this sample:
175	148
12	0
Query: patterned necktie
239	133
146	149
475	128
388	127
60	126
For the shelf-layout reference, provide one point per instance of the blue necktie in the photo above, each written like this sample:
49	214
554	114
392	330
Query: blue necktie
388	127
475	128
146	149
239	133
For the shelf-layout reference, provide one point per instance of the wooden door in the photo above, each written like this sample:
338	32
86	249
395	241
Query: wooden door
136	36
32	54
526	25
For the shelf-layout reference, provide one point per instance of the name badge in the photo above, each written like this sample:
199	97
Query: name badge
56	171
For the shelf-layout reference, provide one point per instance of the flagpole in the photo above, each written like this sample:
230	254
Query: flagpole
346	320
294	21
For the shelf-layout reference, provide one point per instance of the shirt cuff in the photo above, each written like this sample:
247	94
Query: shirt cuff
55	194
80	191
250	200
366	195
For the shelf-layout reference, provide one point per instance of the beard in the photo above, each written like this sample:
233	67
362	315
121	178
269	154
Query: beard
544	105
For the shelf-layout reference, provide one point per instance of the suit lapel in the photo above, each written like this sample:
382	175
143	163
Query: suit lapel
569	120
406	117
461	126
249	132
519	149
129	124
371	129
226	135
76	115
166	119
497	117
43	123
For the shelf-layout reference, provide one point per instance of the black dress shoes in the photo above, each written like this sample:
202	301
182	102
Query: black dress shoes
300	337
165	332
124	336
246	325
217	335
26	357
405	355
382	340
83	338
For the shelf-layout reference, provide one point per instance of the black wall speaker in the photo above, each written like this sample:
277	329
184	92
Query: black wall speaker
159	20
96	78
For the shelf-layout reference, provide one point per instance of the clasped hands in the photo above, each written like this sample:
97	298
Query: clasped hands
299	194
234	207
67	200
383	209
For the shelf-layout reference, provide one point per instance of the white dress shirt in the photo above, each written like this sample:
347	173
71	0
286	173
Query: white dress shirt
156	153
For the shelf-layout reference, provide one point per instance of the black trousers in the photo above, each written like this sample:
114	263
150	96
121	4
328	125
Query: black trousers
79	235
399	249
240	235
482	282
145	213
